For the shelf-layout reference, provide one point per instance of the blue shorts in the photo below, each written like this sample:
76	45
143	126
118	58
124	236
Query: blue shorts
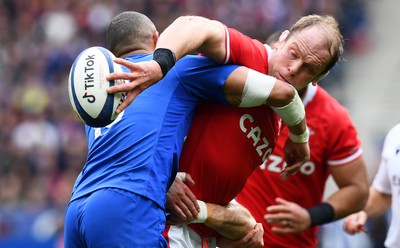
113	217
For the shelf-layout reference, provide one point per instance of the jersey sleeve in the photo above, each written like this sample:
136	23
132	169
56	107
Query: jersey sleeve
243	50
390	149
203	78
381	180
344	142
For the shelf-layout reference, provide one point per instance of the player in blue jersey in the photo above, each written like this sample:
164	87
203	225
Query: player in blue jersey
118	199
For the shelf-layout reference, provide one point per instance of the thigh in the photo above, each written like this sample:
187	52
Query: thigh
71	226
117	218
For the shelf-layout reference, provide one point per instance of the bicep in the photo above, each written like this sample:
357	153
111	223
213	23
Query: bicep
215	46
353	173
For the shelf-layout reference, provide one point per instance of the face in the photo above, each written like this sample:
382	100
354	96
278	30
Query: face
301	58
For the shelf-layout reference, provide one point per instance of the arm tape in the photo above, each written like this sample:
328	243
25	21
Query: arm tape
203	214
321	214
181	175
293	113
256	89
300	138
165	58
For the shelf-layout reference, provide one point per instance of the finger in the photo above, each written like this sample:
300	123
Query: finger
249	236
276	209
128	100
124	62
120	75
125	103
283	230
362	228
120	88
362	217
189	180
276	218
191	203
189	198
185	209
290	170
187	203
181	176
179	213
294	167
282	201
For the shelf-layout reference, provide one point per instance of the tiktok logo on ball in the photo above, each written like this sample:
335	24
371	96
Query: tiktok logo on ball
89	98
89	78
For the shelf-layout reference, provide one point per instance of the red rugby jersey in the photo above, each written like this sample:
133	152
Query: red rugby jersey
333	142
225	144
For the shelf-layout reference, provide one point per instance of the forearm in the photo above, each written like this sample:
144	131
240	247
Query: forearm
232	221
293	115
377	203
281	96
188	34
353	186
346	201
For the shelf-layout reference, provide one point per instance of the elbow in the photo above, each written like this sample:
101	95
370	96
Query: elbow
283	93
364	194
362	197
192	21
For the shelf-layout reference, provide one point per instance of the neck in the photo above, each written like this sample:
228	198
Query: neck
302	92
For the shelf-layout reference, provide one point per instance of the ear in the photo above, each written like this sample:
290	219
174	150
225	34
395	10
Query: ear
283	36
155	38
315	82
281	39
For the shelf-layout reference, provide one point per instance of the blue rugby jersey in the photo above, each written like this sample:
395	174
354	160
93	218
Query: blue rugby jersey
139	151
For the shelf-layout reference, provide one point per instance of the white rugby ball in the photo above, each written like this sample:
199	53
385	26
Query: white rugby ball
87	86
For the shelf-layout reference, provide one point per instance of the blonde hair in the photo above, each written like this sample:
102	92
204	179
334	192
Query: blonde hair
331	27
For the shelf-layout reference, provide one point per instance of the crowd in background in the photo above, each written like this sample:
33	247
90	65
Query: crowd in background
42	145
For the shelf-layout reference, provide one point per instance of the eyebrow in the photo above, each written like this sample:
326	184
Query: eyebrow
315	68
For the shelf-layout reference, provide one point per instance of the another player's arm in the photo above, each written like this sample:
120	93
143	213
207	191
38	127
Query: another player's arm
351	197
352	181
232	221
184	36
248	88
377	204
195	33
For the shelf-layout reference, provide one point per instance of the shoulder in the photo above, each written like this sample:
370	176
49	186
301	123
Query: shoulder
242	49
392	141
327	106
394	132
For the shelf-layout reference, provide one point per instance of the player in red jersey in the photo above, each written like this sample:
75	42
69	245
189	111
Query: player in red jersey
303	56
294	206
335	150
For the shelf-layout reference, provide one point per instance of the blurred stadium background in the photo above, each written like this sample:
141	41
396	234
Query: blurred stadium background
43	147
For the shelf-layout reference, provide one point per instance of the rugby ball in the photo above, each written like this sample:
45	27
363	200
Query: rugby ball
87	86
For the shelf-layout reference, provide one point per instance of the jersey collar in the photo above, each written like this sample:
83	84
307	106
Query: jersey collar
310	93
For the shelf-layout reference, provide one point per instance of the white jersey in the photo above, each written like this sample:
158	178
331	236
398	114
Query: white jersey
387	181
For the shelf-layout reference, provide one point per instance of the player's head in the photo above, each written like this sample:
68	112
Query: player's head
307	51
131	32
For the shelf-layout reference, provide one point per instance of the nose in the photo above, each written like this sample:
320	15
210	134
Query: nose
294	67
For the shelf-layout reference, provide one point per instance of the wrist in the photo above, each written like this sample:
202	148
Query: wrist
321	214
203	213
293	113
300	138
165	58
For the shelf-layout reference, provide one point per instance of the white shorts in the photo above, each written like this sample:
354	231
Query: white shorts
185	237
